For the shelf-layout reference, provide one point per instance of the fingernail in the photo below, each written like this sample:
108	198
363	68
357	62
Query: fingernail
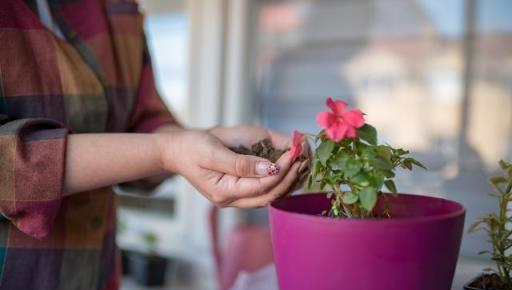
267	168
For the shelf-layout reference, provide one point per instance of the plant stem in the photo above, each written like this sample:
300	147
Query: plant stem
503	270
339	199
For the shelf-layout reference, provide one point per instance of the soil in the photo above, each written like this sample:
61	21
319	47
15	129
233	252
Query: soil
489	282
262	149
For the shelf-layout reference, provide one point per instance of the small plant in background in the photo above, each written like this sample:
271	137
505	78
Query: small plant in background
151	243
121	226
499	233
349	161
148	268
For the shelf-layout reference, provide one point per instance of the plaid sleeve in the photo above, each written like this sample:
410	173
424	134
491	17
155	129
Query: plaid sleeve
150	112
32	156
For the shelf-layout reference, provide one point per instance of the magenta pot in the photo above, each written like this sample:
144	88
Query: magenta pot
416	249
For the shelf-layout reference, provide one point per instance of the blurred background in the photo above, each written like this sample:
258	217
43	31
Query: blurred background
433	76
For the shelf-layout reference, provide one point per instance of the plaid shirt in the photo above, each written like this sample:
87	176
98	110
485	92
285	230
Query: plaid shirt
98	79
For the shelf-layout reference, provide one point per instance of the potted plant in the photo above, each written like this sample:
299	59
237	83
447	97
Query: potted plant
148	268
354	236
125	265
497	226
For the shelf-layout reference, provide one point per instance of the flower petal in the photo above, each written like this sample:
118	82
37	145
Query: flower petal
337	106
354	118
296	149
351	132
337	131
325	119
297	137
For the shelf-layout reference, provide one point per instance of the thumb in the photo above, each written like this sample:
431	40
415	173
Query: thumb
231	163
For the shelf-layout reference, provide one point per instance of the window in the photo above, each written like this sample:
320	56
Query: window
167	37
433	76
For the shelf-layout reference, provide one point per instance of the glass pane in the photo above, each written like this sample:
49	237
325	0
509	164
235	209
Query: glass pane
167	37
404	63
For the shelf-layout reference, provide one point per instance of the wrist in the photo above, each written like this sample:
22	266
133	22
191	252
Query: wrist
168	145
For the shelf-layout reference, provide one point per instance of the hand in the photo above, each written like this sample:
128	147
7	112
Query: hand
222	176
247	135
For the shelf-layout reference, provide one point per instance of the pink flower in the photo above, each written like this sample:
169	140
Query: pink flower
340	124
296	149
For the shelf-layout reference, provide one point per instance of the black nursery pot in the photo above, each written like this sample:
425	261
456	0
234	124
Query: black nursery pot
148	270
125	263
475	284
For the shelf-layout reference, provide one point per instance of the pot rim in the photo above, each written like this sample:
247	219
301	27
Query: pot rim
401	220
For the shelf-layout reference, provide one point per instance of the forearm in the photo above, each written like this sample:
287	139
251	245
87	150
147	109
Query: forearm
97	160
168	128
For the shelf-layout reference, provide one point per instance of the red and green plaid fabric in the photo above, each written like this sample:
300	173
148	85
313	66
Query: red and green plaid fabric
98	79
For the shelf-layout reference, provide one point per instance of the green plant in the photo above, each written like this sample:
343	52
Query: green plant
121	226
151	242
495	225
351	163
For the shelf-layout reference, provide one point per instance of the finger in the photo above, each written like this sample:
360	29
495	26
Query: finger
304	165
282	188
306	149
279	140
303	175
228	162
231	188
309	156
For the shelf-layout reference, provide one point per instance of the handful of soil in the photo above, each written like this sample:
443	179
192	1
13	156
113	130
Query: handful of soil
263	149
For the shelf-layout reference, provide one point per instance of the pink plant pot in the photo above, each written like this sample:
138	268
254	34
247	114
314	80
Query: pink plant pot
417	249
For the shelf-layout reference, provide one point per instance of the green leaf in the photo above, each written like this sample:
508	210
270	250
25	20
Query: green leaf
384	152
317	167
505	165
330	180
498	180
368	133
324	151
493	194
415	162
390	185
352	167
361	179
475	226
377	181
401	152
322	184
406	165
368	197
350	198
339	162
381	163
387	173
368	153
310	181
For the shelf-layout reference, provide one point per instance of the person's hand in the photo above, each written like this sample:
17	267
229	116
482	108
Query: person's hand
222	176
248	135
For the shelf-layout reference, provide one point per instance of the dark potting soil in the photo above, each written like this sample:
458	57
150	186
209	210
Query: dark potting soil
488	282
262	149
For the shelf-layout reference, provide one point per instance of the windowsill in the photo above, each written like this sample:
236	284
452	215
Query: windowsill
467	269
